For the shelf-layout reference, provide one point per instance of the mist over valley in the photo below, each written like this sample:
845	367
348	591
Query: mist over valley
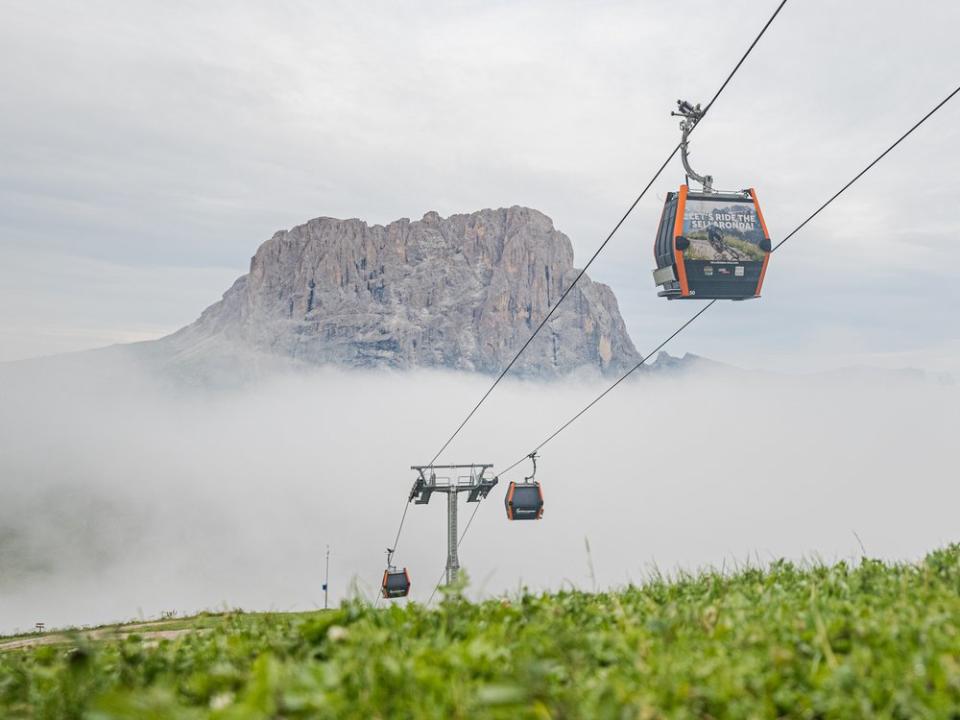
127	497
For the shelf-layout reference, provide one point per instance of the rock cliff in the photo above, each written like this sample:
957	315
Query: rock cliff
462	292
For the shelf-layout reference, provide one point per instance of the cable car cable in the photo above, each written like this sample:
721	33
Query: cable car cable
555	306
623	377
706	307
571	420
860	174
608	238
396	540
710	304
596	253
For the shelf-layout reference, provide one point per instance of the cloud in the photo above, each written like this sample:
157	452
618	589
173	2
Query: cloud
149	149
59	303
125	498
182	137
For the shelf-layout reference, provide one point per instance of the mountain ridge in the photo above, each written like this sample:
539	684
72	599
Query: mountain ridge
463	292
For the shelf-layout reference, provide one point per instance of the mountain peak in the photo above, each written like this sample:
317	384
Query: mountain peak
462	292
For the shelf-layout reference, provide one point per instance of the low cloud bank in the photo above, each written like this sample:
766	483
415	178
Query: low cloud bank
124	498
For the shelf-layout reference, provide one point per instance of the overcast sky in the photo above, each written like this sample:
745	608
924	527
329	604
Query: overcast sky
149	148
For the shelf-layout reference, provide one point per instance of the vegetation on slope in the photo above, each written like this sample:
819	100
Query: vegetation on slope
841	641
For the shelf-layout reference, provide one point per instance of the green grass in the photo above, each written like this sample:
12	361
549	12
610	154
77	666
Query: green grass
842	641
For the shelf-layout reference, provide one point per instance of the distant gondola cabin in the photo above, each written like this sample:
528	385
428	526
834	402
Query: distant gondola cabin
711	245
524	501
396	583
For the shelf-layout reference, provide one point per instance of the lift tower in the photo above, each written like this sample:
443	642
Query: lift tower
473	483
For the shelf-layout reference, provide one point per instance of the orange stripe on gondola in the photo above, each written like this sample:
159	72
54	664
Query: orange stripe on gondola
677	231
756	204
510	501
766	234
763	271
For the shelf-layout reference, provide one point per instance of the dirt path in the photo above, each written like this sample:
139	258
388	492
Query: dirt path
32	642
119	632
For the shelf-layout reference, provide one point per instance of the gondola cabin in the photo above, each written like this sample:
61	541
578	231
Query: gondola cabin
396	583
711	245
524	501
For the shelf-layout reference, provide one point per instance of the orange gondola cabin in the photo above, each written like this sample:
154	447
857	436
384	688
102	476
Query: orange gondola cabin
711	245
524	500
396	583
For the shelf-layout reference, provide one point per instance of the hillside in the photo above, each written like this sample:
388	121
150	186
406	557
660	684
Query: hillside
841	641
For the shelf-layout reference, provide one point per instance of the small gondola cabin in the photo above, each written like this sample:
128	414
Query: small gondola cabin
711	245
524	501
396	583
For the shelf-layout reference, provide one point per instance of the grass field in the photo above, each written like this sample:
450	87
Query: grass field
842	641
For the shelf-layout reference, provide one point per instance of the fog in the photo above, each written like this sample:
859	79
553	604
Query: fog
124	497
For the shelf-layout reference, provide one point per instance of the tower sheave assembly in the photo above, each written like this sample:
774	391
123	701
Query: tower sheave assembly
473	483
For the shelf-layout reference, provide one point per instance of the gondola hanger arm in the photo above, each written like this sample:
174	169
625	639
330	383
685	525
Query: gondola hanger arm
691	116
533	457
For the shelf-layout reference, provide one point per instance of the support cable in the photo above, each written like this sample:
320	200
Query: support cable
863	172
706	307
597	252
393	548
709	305
607	239
619	380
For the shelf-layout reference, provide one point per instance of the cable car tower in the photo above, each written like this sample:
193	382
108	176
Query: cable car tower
474	484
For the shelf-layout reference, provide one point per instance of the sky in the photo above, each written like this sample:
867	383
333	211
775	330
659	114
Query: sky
149	148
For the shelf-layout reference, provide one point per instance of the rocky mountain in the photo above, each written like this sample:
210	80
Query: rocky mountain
462	292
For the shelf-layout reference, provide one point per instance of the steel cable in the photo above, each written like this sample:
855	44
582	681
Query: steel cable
706	307
603	245
596	253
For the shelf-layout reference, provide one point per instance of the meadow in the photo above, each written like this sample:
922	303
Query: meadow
843	640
